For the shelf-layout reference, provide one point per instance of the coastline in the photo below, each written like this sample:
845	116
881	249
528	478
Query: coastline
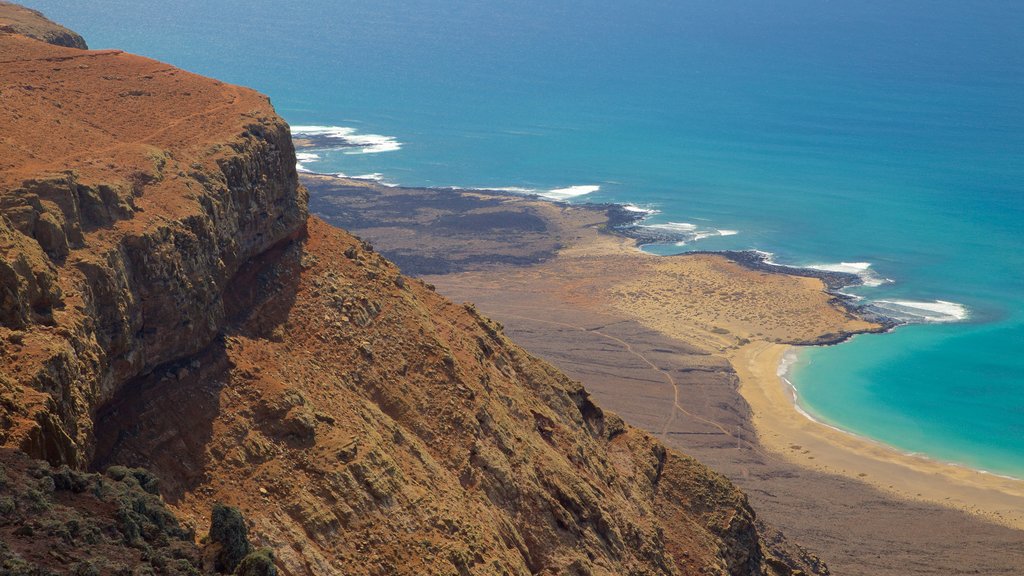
613	314
784	428
623	233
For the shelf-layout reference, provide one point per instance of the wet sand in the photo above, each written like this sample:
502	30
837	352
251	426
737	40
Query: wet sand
669	343
783	429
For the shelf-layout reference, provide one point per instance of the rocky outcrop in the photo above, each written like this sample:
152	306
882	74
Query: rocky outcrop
167	303
17	19
118	252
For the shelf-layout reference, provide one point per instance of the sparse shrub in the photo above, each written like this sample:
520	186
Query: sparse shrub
60	530
100	490
65	478
24	530
127	525
85	568
258	563
117	472
158	561
47	485
73	527
39	469
38	502
7	506
15	566
185	568
227	528
144	478
142	517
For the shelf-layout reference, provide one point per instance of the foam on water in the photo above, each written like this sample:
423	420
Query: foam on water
681	227
509	189
688	231
916	311
301	157
861	269
700	235
348	139
373	176
786	363
910	311
640	209
561	194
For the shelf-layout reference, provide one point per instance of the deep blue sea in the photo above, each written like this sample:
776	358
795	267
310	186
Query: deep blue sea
884	134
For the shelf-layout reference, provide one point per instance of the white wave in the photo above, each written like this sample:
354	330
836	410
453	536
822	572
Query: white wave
681	227
690	232
639	209
301	157
569	192
915	311
370	176
851	297
863	270
848	267
510	189
374	176
787	361
373	143
351	141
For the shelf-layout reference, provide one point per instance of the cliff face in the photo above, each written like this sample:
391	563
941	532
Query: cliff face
20	20
166	302
131	192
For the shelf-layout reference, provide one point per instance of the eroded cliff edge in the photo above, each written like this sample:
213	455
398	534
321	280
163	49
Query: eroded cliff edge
17	19
167	302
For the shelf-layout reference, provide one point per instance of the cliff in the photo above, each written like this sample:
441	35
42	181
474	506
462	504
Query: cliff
20	20
131	193
166	302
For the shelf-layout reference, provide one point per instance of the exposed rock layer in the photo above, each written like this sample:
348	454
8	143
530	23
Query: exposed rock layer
131	193
166	302
20	20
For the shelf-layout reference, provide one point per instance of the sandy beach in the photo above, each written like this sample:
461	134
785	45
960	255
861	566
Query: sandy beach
751	319
785	430
689	347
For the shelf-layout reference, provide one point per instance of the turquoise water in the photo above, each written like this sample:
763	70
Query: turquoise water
889	133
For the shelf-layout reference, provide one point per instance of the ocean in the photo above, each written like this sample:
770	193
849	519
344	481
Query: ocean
880	137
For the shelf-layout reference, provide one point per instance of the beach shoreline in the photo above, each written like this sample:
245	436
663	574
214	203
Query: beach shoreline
622	234
669	344
784	427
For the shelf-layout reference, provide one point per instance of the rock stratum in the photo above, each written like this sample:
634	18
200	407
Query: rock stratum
27	22
166	302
